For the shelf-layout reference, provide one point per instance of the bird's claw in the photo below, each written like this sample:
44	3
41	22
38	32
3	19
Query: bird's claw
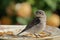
37	35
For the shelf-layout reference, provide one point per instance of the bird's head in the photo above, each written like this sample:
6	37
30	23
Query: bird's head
40	14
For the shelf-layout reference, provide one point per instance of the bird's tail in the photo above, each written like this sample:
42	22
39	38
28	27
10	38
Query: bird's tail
21	32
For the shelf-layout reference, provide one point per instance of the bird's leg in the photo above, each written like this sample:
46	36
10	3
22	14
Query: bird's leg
37	35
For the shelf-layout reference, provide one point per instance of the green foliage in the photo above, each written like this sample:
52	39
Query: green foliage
52	4
36	4
48	13
5	3
47	5
31	1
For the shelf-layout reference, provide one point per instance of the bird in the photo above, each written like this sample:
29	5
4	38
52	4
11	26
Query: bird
37	24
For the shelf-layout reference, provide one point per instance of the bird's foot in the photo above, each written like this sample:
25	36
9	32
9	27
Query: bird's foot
37	35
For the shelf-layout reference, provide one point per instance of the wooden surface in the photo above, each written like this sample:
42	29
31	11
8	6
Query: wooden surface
54	31
29	38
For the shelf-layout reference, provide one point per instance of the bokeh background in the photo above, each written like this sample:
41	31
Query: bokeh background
21	12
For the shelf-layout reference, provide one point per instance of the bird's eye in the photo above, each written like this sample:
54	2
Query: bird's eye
38	12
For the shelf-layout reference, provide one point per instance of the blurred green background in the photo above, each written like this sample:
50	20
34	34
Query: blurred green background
12	15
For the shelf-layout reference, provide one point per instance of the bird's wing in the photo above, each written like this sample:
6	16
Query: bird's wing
35	21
